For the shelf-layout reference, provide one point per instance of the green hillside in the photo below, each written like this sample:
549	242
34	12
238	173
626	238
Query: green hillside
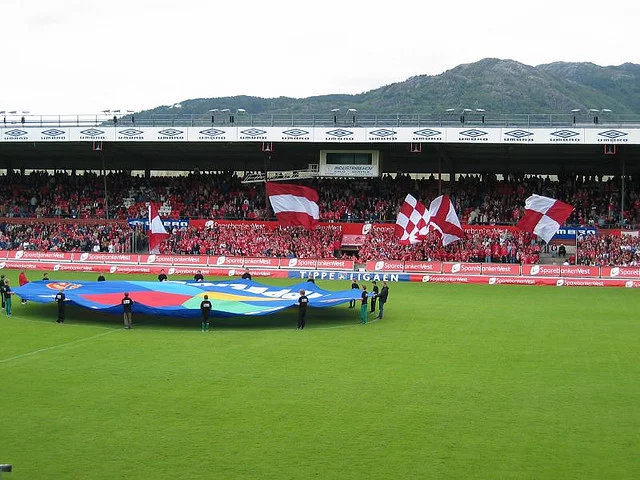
498	86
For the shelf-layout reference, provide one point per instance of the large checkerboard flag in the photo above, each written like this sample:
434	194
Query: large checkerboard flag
415	221
412	224
544	216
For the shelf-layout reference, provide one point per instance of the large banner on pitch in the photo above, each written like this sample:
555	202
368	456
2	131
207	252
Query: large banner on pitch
182	299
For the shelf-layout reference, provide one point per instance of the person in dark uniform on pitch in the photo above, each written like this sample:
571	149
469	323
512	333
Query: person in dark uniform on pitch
101	278
2	289
198	277
363	305
246	275
45	277
7	297
127	303
163	276
382	298
303	302
354	286
60	299
205	311
374	296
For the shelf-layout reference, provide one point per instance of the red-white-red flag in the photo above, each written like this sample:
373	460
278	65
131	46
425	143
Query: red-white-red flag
157	232
294	205
412	223
544	216
444	220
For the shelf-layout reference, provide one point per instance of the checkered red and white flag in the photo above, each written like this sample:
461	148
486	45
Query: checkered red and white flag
412	224
544	216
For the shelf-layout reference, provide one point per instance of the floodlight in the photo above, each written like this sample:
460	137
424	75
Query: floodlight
351	110
480	110
225	110
335	110
575	110
450	110
241	110
606	110
593	110
213	110
467	110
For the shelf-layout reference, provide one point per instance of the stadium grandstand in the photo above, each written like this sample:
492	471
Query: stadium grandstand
82	184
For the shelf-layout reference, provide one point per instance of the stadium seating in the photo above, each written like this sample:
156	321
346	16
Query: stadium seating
479	199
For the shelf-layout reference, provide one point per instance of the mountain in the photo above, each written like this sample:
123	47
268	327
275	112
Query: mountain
498	86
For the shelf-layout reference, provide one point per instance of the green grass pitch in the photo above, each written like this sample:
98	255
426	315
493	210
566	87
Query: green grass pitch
456	382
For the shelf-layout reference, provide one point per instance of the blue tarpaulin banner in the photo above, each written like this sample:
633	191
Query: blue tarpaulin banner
182	299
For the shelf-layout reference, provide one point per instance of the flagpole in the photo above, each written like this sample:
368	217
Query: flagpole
149	230
104	181
266	196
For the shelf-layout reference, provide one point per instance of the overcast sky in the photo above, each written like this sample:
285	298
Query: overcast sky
82	56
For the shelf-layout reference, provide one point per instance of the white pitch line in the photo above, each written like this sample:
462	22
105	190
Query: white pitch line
66	325
53	347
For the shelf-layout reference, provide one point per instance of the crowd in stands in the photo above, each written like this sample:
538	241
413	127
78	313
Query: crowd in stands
478	199
66	237
494	245
608	250
255	240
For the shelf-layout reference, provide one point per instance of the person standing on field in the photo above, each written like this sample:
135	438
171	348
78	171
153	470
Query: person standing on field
303	302
382	298
2	290
162	277
363	305
374	296
60	299
354	286
7	297
127	303
205	311
22	280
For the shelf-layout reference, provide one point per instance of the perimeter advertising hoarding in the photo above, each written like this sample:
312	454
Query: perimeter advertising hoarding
622	272
265	262
426	267
579	271
335	264
174	259
570	233
40	256
309	263
500	269
385	266
223	260
460	268
168	223
106	257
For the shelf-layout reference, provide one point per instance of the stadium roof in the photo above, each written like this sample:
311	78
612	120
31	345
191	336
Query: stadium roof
248	156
